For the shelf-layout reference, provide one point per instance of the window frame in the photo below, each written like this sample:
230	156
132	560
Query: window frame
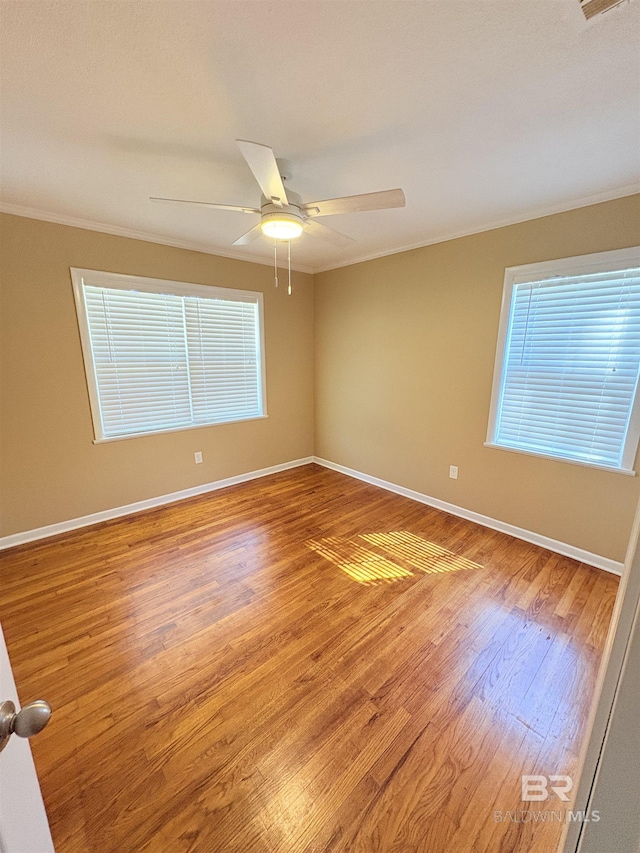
119	281
619	259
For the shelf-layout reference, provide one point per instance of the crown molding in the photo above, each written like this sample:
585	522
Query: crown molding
193	246
117	231
538	213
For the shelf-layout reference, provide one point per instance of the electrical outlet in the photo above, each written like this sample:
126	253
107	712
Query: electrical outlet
453	472
198	457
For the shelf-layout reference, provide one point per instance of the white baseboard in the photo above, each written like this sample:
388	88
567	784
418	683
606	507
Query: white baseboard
138	506
527	535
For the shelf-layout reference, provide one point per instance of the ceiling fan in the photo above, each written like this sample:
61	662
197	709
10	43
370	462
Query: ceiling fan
283	214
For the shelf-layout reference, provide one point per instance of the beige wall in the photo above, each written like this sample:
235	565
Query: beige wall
50	470
404	354
405	349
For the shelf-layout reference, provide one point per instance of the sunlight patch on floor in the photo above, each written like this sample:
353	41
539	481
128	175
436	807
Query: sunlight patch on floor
425	556
359	563
398	555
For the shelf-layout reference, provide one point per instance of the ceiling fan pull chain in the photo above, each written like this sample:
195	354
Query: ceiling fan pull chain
275	261
289	264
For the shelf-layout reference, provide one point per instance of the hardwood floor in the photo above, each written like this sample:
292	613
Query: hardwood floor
301	664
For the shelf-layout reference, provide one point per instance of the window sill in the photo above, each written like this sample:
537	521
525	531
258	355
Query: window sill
628	471
175	429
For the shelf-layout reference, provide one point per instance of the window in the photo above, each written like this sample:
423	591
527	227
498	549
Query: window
164	355
566	377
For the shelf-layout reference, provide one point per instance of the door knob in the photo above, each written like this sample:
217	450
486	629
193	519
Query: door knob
25	723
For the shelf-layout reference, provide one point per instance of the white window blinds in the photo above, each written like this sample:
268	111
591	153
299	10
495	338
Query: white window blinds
570	369
162	361
223	355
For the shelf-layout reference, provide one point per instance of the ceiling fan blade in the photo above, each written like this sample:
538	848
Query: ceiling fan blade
355	203
208	204
262	162
318	230
249	236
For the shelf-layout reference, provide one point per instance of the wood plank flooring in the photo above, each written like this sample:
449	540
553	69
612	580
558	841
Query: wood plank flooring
301	664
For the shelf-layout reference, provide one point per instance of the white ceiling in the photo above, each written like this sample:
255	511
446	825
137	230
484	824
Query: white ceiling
484	112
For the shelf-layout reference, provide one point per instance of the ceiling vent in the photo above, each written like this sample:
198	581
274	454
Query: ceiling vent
591	8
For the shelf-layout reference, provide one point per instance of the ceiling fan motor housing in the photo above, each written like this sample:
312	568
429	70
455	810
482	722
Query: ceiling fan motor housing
275	215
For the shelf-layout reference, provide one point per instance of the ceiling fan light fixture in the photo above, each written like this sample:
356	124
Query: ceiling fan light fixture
283	214
281	226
